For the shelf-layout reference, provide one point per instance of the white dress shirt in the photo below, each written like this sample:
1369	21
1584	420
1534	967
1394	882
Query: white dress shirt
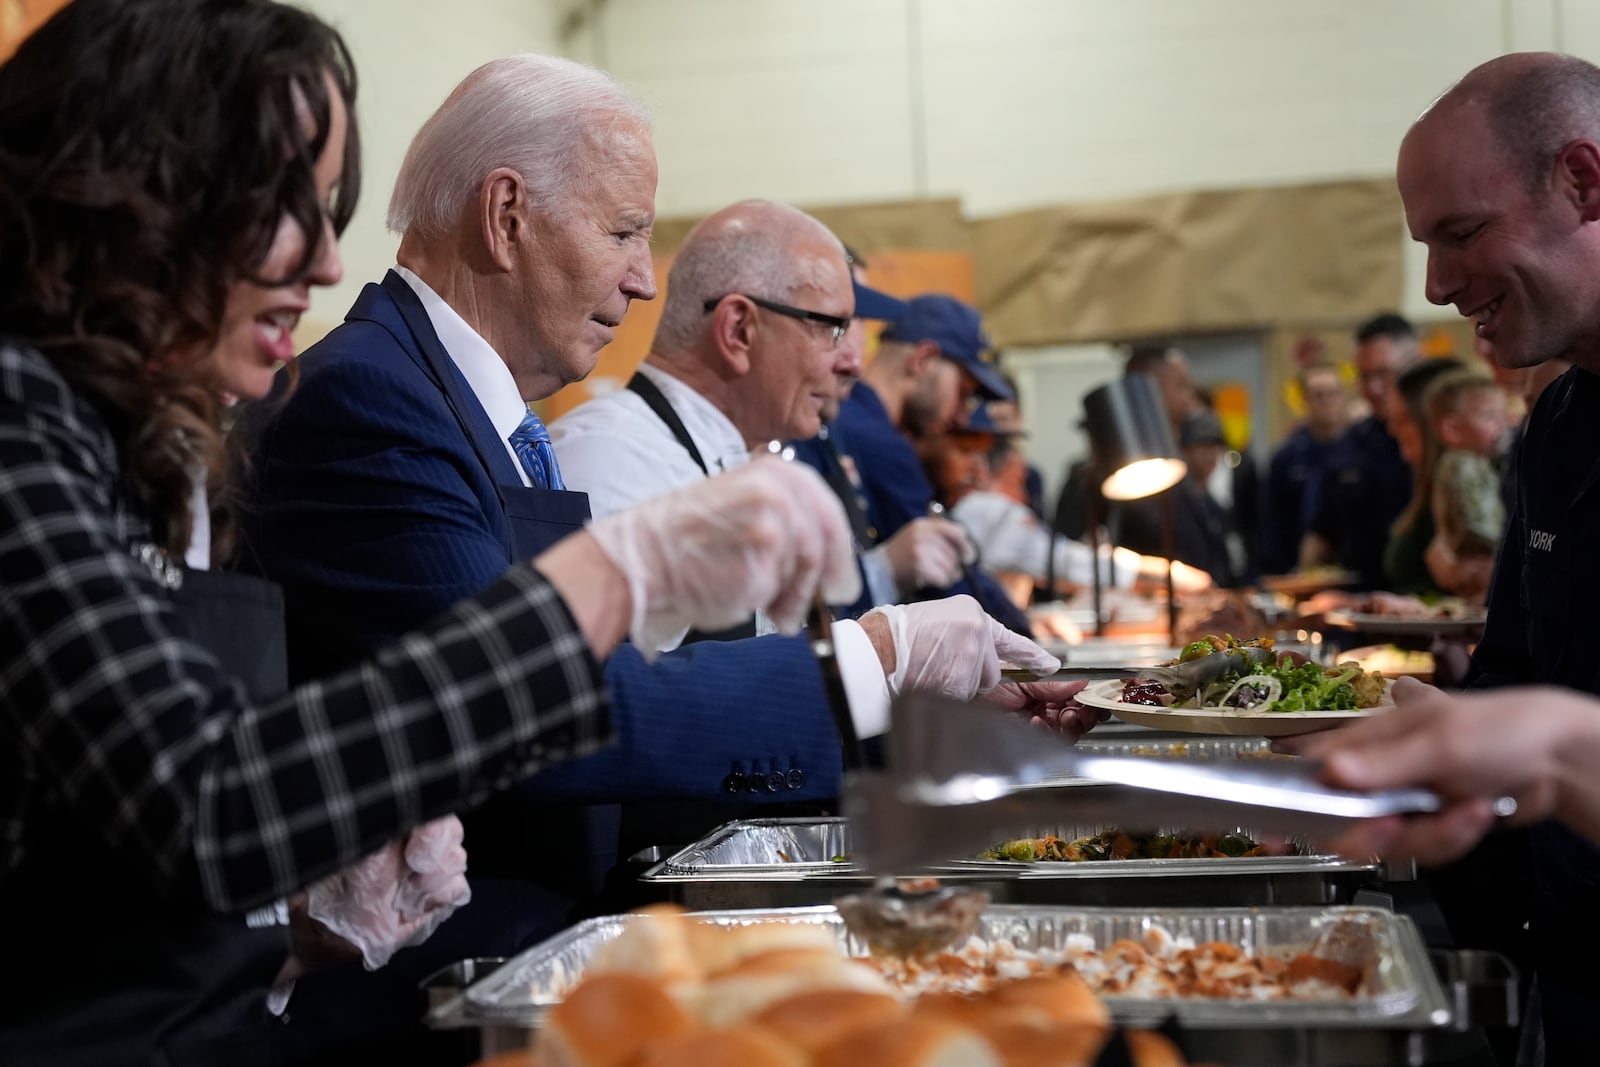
486	373
619	452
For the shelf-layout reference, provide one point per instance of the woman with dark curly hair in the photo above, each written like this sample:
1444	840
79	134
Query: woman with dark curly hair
173	177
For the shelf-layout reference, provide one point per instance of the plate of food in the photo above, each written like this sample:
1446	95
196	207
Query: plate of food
1272	698
1425	620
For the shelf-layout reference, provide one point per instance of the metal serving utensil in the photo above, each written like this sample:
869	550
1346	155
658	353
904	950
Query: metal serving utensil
1191	674
912	918
962	774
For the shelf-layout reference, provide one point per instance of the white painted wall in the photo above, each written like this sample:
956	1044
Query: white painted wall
1010	104
409	54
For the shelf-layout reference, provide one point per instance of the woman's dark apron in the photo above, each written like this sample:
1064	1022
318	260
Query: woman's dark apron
105	969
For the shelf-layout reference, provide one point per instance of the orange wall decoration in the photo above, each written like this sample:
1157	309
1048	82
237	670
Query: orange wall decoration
900	273
1231	401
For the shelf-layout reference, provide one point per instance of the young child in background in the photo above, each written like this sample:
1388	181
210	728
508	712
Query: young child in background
1470	417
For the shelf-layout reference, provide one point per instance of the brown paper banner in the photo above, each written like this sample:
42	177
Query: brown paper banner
1190	262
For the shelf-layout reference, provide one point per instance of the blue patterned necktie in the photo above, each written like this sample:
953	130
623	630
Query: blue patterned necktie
531	442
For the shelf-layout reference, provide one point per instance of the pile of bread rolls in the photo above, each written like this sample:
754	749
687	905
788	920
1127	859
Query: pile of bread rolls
673	992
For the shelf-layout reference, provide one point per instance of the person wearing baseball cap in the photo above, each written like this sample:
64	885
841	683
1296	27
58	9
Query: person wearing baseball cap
929	359
955	331
924	553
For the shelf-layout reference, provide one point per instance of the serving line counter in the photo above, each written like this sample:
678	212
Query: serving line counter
1416	1005
1411	1009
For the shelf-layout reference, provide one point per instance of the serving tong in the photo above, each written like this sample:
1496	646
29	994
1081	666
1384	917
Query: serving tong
959	775
1192	674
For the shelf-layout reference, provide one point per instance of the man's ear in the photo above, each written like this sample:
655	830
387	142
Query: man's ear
503	205
1578	177
734	330
922	355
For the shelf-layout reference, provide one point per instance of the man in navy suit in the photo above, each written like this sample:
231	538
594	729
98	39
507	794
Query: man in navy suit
404	472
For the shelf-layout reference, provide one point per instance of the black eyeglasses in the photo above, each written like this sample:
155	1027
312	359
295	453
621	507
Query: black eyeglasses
837	325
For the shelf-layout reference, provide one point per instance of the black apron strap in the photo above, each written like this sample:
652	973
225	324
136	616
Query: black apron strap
657	403
663	408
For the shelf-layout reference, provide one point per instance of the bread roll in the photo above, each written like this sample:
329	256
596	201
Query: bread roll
812	1020
740	1046
910	1042
608	1019
978	1012
745	990
1150	1049
718	948
656	941
1025	1045
1059	999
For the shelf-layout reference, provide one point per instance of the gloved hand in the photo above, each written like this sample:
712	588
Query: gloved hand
758	538
927	554
398	895
952	647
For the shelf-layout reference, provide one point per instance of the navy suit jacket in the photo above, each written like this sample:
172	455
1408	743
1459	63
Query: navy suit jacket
382	495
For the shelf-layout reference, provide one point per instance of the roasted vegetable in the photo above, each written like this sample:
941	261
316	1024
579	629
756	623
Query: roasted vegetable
1114	844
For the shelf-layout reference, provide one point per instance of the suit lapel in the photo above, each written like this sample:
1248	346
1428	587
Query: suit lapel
430	354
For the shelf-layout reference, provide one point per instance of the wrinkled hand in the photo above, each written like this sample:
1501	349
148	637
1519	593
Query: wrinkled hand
758	538
398	895
927	554
950	647
1471	749
1050	705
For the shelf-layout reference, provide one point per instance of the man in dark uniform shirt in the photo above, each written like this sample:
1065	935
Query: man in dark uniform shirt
1294	479
929	360
1501	181
1367	483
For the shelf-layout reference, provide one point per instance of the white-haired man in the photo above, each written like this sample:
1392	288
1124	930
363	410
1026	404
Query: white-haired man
756	344
405	472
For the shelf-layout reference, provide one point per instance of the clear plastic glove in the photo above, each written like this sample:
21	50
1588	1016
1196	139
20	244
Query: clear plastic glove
398	895
760	538
953	648
927	554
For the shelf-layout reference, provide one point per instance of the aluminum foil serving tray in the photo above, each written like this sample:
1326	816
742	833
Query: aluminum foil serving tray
773	862
1405	992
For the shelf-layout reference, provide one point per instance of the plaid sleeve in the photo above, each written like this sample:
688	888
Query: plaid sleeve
141	735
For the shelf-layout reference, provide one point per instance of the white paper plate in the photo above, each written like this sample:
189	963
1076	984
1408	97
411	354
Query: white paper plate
1190	721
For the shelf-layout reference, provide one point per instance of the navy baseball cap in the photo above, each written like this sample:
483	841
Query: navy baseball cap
871	304
957	330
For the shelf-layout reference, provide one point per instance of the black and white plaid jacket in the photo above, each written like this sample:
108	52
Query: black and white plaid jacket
139	734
